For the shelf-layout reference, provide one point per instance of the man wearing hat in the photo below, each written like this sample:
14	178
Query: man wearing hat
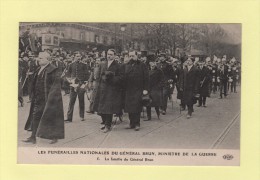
204	77
189	84
46	117
136	85
108	98
223	78
168	75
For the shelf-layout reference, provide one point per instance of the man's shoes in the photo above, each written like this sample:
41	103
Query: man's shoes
53	141
220	97
82	119
102	122
204	105
106	130
30	140
137	128
188	116
103	127
182	109
29	101
130	127
149	119
163	112
90	112
199	105
68	121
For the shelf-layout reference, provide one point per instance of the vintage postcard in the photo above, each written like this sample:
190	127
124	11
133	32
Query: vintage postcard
129	93
129	90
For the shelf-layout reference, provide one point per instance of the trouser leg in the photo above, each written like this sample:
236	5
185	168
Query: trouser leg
200	100
190	109
107	118
73	96
204	100
165	99
37	114
157	111
81	103
221	89
225	88
148	110
134	119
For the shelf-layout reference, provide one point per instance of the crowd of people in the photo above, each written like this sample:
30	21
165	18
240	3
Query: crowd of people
116	84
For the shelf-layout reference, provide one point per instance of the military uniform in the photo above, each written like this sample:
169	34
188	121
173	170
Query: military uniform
79	72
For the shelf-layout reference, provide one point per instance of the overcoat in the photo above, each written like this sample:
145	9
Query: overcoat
204	78
109	89
51	124
189	85
136	80
155	86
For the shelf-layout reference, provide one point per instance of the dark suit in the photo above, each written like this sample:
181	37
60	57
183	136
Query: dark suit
189	84
79	71
136	80
223	77
108	98
204	78
155	90
168	74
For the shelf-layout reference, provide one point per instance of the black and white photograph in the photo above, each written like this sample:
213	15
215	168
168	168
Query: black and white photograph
129	93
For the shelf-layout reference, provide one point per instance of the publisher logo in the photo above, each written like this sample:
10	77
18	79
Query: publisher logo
228	157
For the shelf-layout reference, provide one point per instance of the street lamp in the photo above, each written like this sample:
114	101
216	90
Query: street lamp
123	28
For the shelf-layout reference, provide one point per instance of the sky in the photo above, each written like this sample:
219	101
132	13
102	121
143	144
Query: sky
234	32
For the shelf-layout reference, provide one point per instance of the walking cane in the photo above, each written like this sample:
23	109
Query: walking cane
25	81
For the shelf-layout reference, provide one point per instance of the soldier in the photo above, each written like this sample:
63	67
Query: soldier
136	85
78	72
204	79
46	117
108	98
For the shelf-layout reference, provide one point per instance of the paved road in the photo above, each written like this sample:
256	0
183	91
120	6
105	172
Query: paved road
215	127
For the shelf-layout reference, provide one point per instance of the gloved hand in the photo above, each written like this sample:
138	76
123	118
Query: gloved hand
145	92
109	74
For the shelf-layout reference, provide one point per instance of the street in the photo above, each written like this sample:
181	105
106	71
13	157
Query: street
215	127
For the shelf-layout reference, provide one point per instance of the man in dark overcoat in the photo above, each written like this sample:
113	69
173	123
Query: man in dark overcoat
155	89
136	85
223	78
79	72
46	117
168	75
204	78
108	98
189	85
